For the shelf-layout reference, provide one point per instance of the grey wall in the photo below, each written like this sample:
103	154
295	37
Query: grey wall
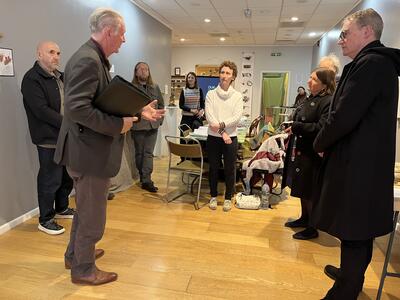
296	60
389	10
23	24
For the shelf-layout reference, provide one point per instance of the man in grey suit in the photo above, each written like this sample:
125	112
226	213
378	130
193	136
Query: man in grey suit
144	132
90	143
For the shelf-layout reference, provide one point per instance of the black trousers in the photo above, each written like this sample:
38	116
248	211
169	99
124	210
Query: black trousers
53	185
355	257
216	150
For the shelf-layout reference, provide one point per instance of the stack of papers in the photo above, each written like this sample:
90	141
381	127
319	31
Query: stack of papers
201	131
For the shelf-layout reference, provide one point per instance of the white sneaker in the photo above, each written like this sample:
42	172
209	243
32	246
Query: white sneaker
227	205
213	203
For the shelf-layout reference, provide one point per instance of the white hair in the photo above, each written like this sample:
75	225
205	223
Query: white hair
103	17
332	60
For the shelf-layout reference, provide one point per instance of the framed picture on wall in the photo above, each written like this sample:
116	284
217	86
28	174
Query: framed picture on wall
6	62
177	71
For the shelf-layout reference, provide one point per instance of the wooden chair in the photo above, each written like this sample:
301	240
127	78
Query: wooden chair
193	166
253	129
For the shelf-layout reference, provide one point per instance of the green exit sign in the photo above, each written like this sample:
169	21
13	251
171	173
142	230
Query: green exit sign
276	54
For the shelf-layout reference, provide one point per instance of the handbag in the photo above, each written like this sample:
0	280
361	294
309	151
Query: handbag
247	201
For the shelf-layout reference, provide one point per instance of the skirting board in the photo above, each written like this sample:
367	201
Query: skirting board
10	225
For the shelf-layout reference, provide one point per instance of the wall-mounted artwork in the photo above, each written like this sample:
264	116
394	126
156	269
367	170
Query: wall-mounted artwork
6	62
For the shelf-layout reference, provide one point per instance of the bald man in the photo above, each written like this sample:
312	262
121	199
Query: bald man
43	93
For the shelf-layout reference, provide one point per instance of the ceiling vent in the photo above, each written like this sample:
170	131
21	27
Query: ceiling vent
219	34
291	24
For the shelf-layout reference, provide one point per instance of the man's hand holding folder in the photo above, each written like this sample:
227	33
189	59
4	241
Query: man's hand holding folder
123	99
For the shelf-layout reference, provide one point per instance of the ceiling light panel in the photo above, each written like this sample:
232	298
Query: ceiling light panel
289	33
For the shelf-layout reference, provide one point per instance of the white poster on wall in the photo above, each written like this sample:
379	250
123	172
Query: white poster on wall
246	80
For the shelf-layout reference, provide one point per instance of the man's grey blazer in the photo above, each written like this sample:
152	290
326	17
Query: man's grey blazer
89	141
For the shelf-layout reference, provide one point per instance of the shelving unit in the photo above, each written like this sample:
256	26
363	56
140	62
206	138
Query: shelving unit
177	84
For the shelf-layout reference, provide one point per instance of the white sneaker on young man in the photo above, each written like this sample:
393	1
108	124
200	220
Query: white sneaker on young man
227	205
51	227
66	214
213	203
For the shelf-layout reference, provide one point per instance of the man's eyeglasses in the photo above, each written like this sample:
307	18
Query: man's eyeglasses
343	35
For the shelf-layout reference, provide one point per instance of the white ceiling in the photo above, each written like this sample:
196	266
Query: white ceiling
269	23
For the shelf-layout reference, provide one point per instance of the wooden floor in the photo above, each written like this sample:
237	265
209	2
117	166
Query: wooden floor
171	251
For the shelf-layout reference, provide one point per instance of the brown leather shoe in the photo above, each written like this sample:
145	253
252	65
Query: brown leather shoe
97	254
97	278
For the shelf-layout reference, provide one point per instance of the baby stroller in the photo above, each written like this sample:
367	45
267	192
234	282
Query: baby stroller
267	162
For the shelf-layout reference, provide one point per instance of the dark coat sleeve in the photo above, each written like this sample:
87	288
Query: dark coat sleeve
352	104
82	87
36	100
159	97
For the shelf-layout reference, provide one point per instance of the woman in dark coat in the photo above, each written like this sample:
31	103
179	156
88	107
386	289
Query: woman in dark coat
302	162
301	96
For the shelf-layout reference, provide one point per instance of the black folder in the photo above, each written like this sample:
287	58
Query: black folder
121	98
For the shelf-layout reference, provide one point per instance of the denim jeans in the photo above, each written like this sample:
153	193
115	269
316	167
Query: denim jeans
53	185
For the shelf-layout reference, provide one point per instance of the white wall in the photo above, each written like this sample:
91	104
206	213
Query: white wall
296	60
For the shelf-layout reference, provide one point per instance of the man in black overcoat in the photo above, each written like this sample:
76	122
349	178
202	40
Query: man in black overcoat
358	142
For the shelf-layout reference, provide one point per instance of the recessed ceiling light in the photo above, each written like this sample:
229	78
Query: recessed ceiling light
182	39
207	20
311	34
294	19
222	39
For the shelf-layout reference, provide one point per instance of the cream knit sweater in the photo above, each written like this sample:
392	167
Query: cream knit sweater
224	106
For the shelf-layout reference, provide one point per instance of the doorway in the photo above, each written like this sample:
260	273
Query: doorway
274	96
